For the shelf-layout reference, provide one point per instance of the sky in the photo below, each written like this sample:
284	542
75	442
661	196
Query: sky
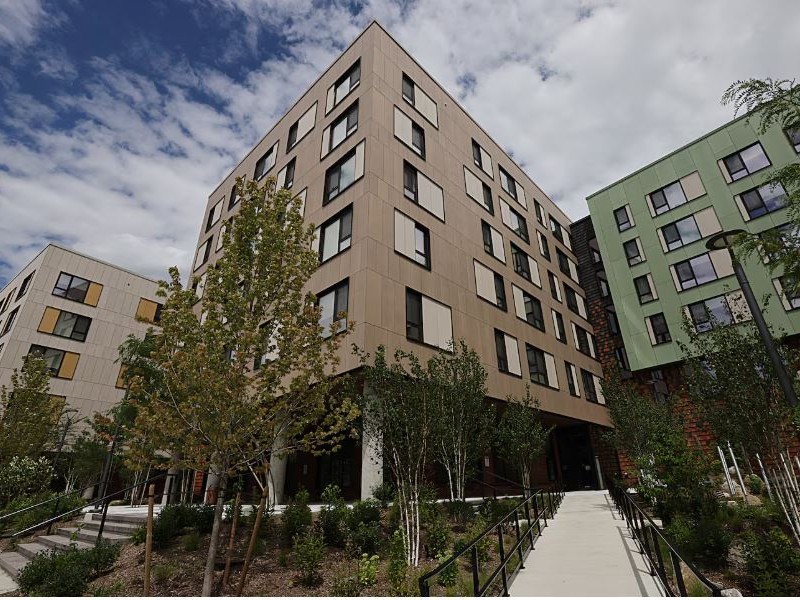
119	117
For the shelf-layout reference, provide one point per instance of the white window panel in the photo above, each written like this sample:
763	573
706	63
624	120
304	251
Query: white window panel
536	278
426	106
505	214
552	375
221	236
486	162
437	324
474	186
306	123
599	389
402	126
484	282
519	302
431	196
512	355
331	237
214	215
201	254
498	249
582	306
405	235
301	197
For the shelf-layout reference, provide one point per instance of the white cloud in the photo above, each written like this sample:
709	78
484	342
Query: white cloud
581	93
21	20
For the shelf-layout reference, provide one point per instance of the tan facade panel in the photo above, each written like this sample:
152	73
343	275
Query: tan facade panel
49	320
68	365
738	306
93	294
693	186
146	311
707	221
722	262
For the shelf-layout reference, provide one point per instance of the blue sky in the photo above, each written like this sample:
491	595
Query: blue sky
118	117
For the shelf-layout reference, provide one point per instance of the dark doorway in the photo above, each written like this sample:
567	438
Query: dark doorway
576	458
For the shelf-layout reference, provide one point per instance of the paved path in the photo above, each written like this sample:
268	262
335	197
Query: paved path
586	551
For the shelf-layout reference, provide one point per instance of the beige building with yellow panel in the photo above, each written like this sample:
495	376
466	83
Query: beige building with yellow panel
75	311
427	232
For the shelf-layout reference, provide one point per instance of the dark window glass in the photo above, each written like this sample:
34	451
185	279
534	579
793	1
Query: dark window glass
794	137
234	200
763	200
602	283
518	224
561	332
500	292
667	198
12	316
621	216
588	386
264	164
643	290
571	383
539	212
521	264
413	315
340	176
537	367
696	271
72	326
51	356
476	154
681	233
558	231
571	298
408	89
508	183
500	348
710	313
26	284
563	262
746	161
543	246
613	321
71	287
487	238
554	292
333	307
410	179
292	136
582	337
343	127
622	358
660	329
632	253
533	311
347	82
418	139
487	198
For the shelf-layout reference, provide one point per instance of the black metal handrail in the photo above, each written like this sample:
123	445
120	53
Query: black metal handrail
650	545
57	498
540	503
105	501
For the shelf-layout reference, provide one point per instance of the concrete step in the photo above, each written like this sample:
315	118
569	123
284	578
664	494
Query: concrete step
112	526
31	549
12	563
90	535
61	542
118	518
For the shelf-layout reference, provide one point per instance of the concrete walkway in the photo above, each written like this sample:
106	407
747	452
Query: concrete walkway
586	551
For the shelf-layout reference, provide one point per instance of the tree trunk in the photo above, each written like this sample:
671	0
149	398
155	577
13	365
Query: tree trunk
253	537
208	577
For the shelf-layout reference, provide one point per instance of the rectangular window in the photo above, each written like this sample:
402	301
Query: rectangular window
333	308
583	340
563	262
493	242
72	287
788	288
421	190
409	132
613	321
524	265
588	386
507	353
555	290
544	248
286	175
428	321
622	358
214	215
235	197
149	311
412	240
558	324
489	285
203	252
572	385
12	316
482	159
602	284
344	173
667	198
514	221
341	129
527	307
343	86
575	301
72	326
26	284
335	234
794	138
745	162
558	231
633	252
695	271
266	162
302	127
510	186
478	190
539	212
424	104
643	289
537	368
710	313
680	233
61	364
5	302
763	200
623	218
659	328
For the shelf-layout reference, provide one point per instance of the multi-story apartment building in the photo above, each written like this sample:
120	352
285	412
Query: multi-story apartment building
428	232
644	260
75	311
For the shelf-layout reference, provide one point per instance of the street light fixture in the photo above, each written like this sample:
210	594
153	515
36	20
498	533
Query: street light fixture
724	240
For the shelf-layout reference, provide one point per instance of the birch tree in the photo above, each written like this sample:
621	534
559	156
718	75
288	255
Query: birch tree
521	437
251	378
462	419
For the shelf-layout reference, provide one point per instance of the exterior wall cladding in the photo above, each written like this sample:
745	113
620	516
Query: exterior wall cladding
438	208
642	253
77	310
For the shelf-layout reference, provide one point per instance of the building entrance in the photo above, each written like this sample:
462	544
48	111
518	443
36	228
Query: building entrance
576	458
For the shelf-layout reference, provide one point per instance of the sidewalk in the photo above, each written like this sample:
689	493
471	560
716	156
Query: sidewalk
586	551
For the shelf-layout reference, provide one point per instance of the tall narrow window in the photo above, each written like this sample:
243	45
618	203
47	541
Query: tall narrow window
643	289
588	386
12	316
482	159
413	315
558	323
514	221
266	162
572	385
539	212
633	252
335	234
26	285
659	328
507	349
478	190
527	307
344	173
623	218
537	367
544	247
521	263
343	127
343	86
408	89
412	240
333	308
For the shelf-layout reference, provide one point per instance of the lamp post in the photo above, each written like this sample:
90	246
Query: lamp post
722	241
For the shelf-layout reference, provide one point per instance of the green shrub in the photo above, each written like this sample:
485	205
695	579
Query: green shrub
67	572
296	518
397	567
368	570
429	509
448	575
494	510
174	518
24	476
706	540
364	511
438	537
309	550
770	560
383	493
191	542
333	517
459	511
139	535
364	538
115	589
754	484
162	573
345	586
41	513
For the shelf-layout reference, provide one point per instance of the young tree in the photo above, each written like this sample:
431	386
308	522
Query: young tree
251	378
521	437
462	419
774	102
398	410
29	415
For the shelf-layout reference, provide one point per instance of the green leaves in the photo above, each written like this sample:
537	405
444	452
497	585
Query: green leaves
521	437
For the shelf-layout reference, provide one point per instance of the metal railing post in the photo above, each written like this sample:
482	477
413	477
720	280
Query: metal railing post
502	549
530	523
476	580
519	538
657	546
676	567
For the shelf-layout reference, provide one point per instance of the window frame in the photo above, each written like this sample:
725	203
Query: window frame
663	337
349	131
688	262
628	223
335	289
636	259
78	319
25	286
69	287
352	154
338	217
540	377
589	391
757	191
10	320
346	76
42	350
525	272
745	169
643	297
679	238
272	151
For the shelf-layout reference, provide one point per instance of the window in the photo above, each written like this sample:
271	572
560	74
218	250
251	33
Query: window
344	173
507	353
597	258
302	127
333	308
602	284
61	364
421	190
4	304
500	292
763	200
510	186
537	367
428	321
418	139
659	328
522	264
613	321
588	386
72	326
343	86
26	284
266	162
203	252
558	231
572	385
71	287
695	271
527	307
623	218
213	215
544	248
565	265
622	358
335	234
478	190
667	198
555	291
788	287
583	340
558	323
710	313
660	389
340	129
408	132
539	212
12	316
414	95
493	242
489	285
632	252
288	174
149	311
794	138
745	162
235	197
412	240
643	289
680	233
482	159
514	221
575	302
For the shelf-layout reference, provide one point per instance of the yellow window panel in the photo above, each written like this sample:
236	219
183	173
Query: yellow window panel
93	294
68	365
49	319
